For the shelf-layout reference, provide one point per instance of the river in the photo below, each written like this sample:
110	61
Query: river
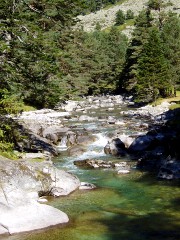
133	206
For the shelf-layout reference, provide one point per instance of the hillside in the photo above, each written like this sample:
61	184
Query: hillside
106	17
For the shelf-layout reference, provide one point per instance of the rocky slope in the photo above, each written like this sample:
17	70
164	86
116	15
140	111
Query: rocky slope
106	17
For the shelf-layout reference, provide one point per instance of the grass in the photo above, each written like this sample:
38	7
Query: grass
174	106
112	5
122	27
176	100
33	160
9	155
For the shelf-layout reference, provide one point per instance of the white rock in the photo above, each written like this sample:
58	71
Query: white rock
86	186
123	171
42	200
31	217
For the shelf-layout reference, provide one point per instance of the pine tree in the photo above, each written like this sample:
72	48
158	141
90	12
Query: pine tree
30	35
153	78
120	18
170	36
129	14
143	24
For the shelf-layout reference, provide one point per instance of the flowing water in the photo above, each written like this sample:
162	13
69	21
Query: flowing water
135	206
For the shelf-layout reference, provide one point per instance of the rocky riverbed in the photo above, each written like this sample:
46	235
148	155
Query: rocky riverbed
24	183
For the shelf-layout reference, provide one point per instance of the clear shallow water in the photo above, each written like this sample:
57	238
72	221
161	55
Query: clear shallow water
132	207
124	207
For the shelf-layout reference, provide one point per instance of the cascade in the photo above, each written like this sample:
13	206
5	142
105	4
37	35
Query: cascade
63	144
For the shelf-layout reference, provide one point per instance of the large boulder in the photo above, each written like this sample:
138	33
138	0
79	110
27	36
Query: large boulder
29	217
142	143
115	147
21	185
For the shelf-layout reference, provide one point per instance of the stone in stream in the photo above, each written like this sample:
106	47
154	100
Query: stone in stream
142	143
115	147
87	186
123	171
76	150
96	163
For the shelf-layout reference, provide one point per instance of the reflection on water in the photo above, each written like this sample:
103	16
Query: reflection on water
124	207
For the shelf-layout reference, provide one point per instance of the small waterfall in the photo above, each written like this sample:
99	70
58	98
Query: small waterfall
101	141
96	149
63	144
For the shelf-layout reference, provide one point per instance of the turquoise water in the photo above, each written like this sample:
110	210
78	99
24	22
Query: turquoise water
132	207
135	206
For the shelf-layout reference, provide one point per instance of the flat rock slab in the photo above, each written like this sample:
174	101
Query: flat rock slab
30	217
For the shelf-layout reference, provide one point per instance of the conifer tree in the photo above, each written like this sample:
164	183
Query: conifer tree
170	36
30	33
143	24
120	18
153	78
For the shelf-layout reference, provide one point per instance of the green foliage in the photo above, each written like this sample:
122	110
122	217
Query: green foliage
9	104
120	18
129	14
143	24
92	62
95	5
151	69
170	35
30	34
6	141
153	76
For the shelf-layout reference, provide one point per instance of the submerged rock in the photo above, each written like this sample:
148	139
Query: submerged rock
87	186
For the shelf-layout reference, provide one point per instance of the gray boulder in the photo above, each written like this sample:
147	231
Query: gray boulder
115	147
21	185
76	150
142	143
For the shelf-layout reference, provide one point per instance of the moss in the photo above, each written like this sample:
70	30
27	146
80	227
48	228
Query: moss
9	154
37	160
174	106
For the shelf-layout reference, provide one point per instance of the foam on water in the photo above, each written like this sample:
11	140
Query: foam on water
94	150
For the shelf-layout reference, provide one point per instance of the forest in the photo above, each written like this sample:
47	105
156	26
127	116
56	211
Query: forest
44	59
